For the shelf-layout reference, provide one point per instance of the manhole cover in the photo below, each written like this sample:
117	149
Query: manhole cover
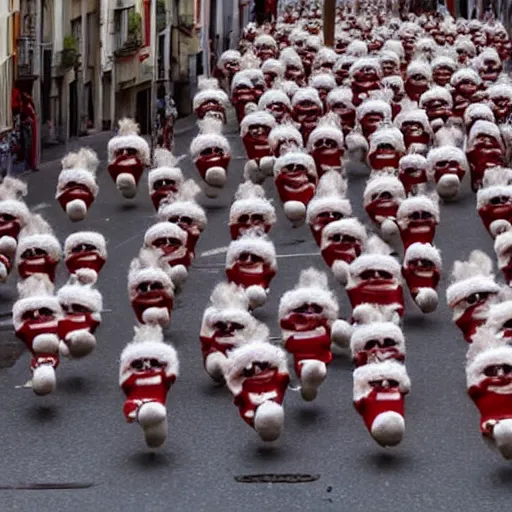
276	479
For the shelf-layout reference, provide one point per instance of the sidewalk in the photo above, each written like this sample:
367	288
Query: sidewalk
100	139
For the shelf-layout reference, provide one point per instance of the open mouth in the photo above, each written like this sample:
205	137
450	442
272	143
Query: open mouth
252	268
501	390
391	395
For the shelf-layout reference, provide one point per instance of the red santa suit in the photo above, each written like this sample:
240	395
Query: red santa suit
329	204
417	218
365	75
379	397
415	127
265	47
438	104
148	369
37	254
443	68
251	209
128	156
185	212
243	92
418	79
228	65
277	103
81	305
386	149
371	114
447	166
489	66
36	316
166	179
171	242
77	187
466	84
326	145
421	270
472	292
503	250
85	254
211	153
307	108
489	382
484	149
494	200
257	375
339	101
500	96
412	172
375	278
251	263
296	178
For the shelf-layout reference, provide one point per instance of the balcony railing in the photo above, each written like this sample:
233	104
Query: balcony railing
26	51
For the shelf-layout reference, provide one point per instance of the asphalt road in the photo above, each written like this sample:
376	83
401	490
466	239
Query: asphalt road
79	436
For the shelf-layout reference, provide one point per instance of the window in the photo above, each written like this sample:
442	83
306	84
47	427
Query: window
121	18
5	92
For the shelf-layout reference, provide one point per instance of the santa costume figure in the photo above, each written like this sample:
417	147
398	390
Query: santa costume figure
254	131
307	108
421	270
500	96
148	369
494	200
447	166
499	320
375	277
415	127
250	209
251	263
77	187
379	396
210	100
417	218
247	87
443	67
166	178
326	144
170	240
339	101
14	215
418	79
386	149
484	149
273	71
382	196
412	172
81	307
38	250
211	153
489	66
371	114
472	291
342	242
307	315
184	211
476	112
503	250
365	75
329	203
277	103
466	89
376	337
283	138
228	65
128	156
150	288
226	324
438	104
256	373
324	83
85	253
489	382
36	316
296	178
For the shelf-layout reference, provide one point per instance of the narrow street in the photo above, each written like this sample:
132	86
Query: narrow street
77	437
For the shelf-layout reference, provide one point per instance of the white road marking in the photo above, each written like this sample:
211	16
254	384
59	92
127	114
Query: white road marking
221	250
213	252
27	385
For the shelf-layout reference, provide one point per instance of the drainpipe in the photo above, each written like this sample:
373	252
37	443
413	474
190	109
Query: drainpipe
36	92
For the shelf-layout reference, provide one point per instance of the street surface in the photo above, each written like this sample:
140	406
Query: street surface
78	437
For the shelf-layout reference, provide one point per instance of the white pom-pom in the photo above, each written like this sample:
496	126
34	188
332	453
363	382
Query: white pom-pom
389	229
86	275
295	211
427	300
257	296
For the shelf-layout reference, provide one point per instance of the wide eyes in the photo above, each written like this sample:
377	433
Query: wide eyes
166	242
475	298
212	151
420	216
184	219
148	286
139	364
254	218
163	183
330	215
83	248
32	252
247	257
126	151
375	274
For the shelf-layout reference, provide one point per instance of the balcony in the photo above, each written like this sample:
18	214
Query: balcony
68	59
130	47
25	54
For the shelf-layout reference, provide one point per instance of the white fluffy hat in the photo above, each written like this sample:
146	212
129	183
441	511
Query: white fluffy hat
371	106
340	95
328	127
12	190
413	114
498	315
148	266
496	181
164	229
486	54
79	167
35	292
465	74
377	256
228	56
444	61
265	40
499	90
284	131
128	137
274	96
387	135
476	111
389	55
289	57
483	128
325	56
396	46
210	136
436	93
208	90
260	117
86	237
323	81
350	226
307	94
330	194
296	157
74	292
312	288
413	204
502	244
255	243
148	342
446	153
165	168
357	48
379	371
184	203
414	161
273	66
250	198
417	251
419	67
471	276
383	181
366	62
37	233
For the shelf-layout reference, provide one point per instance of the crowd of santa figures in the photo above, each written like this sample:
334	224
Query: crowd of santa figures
423	102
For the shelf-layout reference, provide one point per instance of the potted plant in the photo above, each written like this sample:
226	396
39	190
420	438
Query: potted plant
161	15
134	29
69	53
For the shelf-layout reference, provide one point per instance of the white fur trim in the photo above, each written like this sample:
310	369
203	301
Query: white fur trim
188	208
21	306
81	176
379	371
478	111
340	95
465	74
498	315
378	184
419	68
255	118
387	135
418	250
149	274
86	237
164	173
129	141
330	203
377	106
323	81
446	153
502	243
462	289
351	227
492	356
444	61
273	66
483	128
414	161
417	203
325	132
500	90
256	205
366	62
208	140
258	245
307	94
484	195
274	96
164	229
284	132
380	330
435	93
298	158
368	261
48	243
206	95
15	208
81	294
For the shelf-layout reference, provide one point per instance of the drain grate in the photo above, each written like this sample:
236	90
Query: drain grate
46	487
293	478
